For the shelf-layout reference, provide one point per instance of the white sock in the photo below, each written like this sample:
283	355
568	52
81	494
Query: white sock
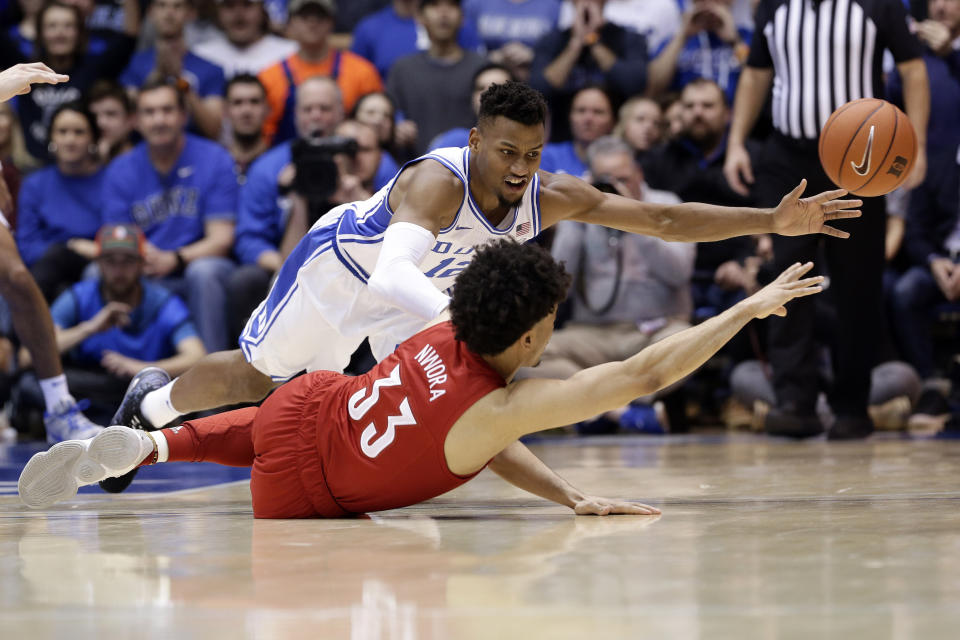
157	407
55	393
163	450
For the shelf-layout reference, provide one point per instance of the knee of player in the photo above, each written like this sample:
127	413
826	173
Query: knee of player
250	383
15	278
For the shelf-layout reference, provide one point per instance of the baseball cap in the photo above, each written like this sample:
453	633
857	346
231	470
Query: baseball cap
296	6
126	238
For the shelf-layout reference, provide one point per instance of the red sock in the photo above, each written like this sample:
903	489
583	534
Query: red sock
226	438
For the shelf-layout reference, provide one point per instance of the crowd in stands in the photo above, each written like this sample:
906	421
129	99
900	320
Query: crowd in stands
156	194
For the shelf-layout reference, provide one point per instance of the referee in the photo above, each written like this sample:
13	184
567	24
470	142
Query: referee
818	55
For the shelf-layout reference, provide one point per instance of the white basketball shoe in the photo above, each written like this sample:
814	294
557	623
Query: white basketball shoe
55	475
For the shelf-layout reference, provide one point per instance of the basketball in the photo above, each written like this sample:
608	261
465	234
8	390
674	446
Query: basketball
868	147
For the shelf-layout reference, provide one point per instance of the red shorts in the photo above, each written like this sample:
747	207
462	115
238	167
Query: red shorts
288	478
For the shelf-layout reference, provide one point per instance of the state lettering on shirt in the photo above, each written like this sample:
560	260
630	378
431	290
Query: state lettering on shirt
160	207
434	369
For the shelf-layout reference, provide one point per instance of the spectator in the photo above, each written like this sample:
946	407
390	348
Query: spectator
709	44
264	209
24	33
940	35
59	207
378	110
181	190
932	244
200	81
61	39
111	327
311	23
393	32
372	168
246	112
509	29
673	115
656	20
692	167
640	124
591	52
591	117
246	44
433	88
856	264
487	75
113	108
628	290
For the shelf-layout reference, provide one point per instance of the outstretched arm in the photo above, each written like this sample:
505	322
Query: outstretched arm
517	465
566	197
530	405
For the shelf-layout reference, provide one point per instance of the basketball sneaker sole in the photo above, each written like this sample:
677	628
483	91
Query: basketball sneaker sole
55	475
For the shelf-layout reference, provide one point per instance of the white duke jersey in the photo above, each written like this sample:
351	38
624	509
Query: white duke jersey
319	308
360	226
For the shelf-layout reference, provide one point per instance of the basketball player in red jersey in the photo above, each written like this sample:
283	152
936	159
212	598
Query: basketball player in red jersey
427	418
31	316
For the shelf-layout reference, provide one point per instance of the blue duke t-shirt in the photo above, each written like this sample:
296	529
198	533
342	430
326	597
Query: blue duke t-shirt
172	209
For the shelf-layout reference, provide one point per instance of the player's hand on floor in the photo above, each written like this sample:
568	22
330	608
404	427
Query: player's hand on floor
594	506
796	216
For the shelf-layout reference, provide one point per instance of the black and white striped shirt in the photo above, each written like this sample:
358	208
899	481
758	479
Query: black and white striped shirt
825	53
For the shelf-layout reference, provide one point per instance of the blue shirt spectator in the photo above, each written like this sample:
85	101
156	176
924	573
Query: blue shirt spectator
943	129
157	325
385	36
457	137
386	170
260	217
204	77
500	22
561	157
172	209
626	77
53	208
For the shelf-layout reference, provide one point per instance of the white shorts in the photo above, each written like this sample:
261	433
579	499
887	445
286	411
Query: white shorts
317	313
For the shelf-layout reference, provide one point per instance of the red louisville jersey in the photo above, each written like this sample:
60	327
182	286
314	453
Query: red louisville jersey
381	435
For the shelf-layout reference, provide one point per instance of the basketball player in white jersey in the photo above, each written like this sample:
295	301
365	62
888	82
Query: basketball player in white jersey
379	268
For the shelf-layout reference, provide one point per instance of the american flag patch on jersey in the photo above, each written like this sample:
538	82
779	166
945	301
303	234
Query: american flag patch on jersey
523	229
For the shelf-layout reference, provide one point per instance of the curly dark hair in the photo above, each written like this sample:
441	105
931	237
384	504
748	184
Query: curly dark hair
507	289
514	100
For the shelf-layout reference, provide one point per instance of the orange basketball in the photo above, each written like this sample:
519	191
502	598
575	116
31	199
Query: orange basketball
868	147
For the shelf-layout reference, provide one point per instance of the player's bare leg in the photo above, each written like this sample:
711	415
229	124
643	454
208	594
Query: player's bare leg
34	326
219	379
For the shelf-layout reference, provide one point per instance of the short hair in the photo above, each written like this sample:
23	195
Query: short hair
608	145
515	101
506	289
155	82
80	108
489	66
383	94
327	80
104	89
706	82
244	78
596	87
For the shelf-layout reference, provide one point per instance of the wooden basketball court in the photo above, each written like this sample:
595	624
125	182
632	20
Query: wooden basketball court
759	538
